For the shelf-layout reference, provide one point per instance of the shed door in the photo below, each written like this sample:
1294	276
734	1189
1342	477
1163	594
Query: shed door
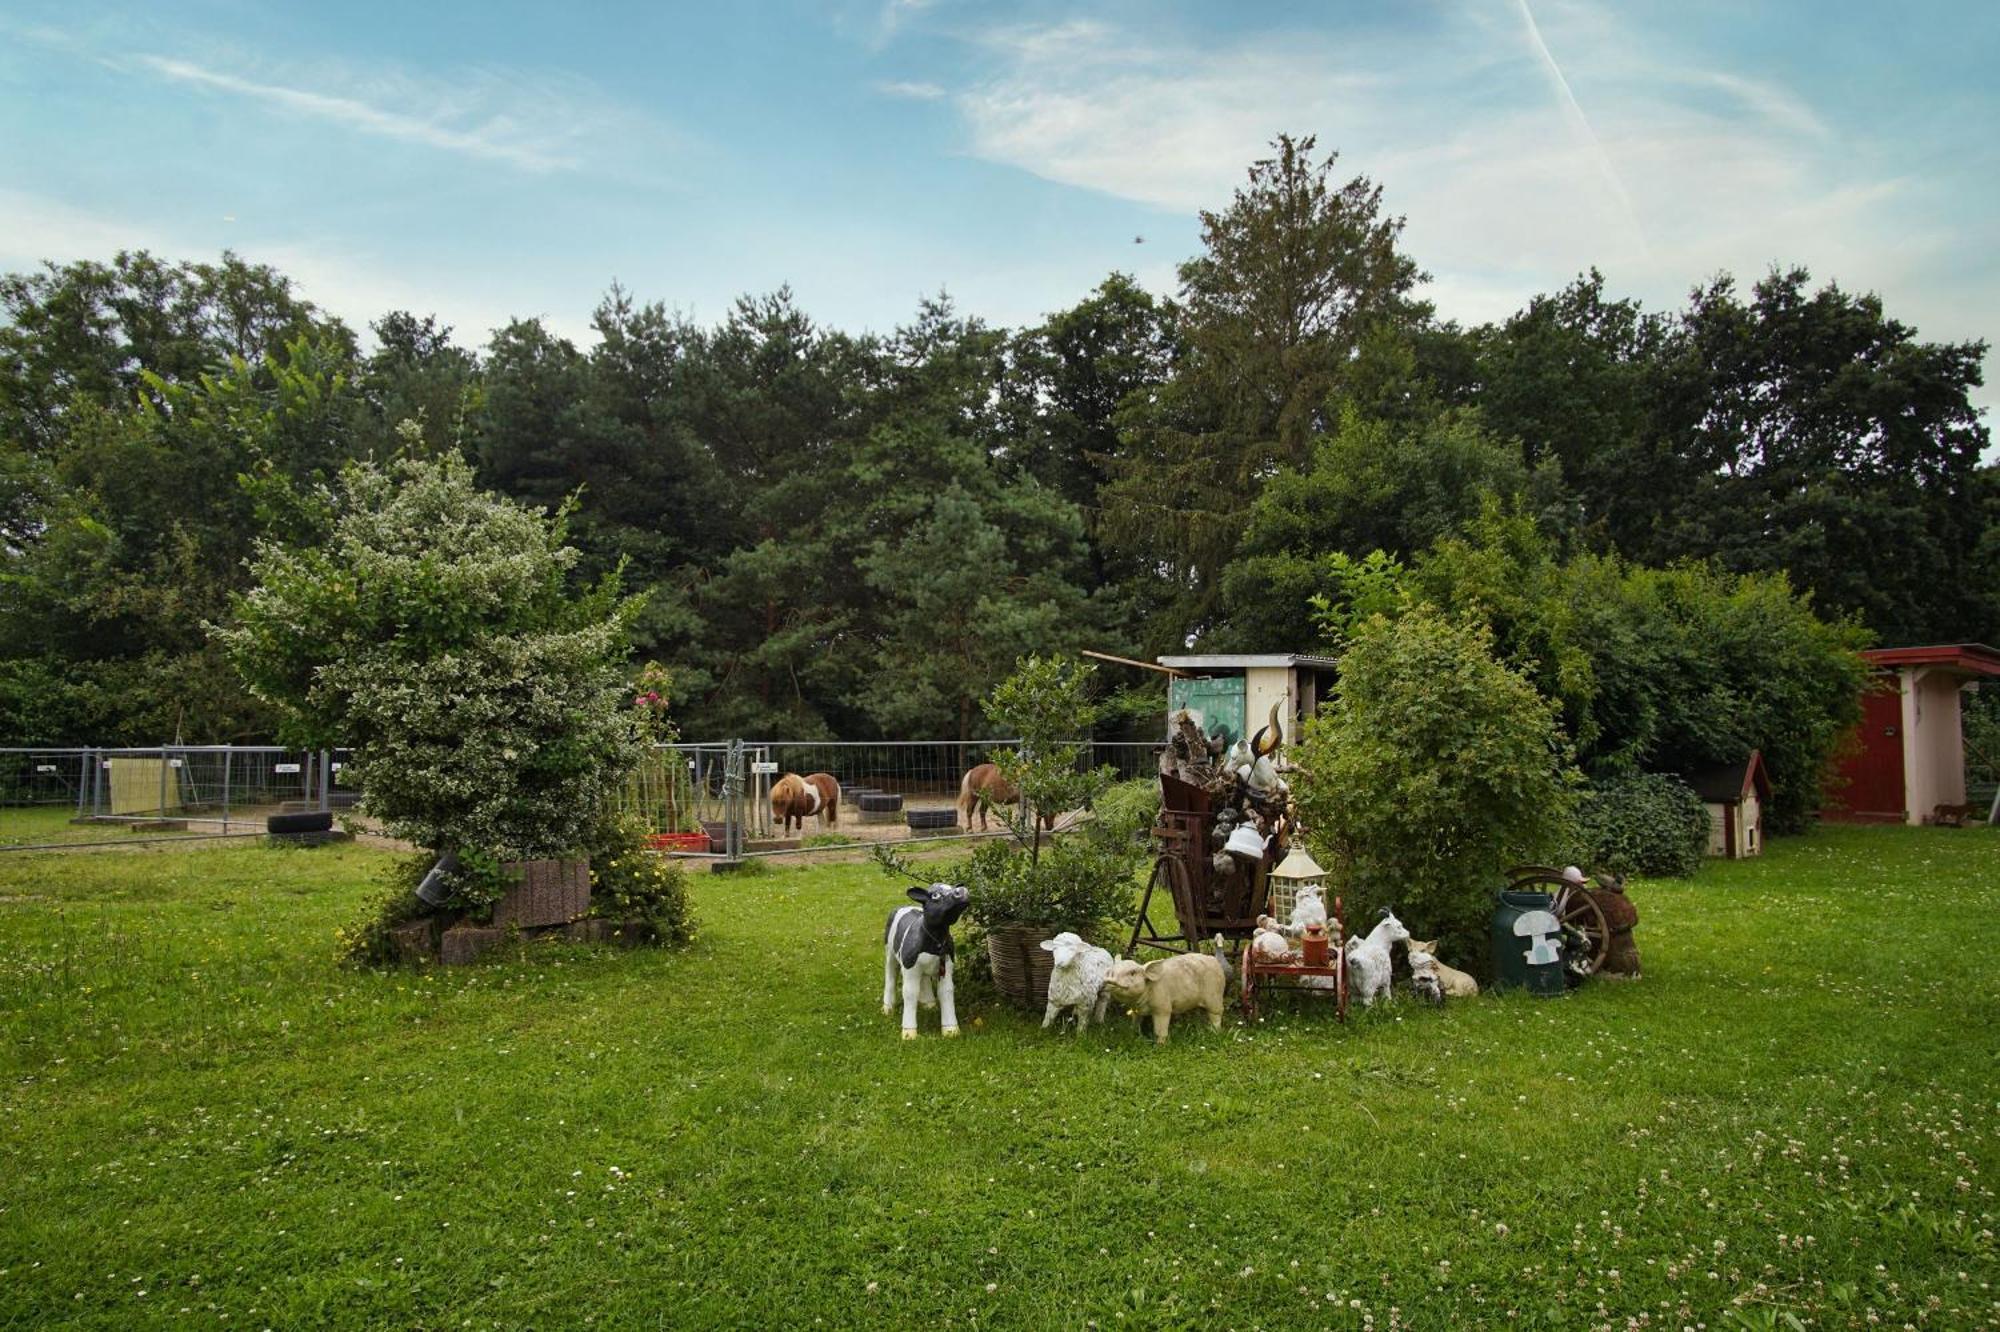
1875	773
1218	702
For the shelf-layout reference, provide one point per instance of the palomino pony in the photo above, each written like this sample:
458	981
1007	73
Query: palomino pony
985	787
800	798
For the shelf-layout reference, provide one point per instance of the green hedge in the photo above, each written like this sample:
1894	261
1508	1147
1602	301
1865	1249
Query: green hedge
1647	823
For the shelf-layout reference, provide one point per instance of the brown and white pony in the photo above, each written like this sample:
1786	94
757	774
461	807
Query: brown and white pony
984	787
800	798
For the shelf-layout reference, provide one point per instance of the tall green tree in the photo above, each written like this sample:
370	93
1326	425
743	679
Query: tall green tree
1295	275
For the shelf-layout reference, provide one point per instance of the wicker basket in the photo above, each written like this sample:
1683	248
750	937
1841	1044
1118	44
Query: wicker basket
1021	966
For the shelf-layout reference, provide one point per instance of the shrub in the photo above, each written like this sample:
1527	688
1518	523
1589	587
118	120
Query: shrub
1435	768
1644	823
1128	810
1083	881
1046	702
436	633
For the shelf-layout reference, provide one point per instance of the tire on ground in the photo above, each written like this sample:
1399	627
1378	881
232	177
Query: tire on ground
310	822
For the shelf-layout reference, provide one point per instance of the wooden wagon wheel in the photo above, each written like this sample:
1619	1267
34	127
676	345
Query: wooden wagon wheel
1586	934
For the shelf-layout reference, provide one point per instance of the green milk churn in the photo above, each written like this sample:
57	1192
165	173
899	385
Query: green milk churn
1527	943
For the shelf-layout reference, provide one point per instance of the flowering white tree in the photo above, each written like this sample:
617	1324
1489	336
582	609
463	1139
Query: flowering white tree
435	632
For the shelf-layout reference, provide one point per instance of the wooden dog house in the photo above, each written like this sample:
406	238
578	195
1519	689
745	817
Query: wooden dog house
1908	755
1735	795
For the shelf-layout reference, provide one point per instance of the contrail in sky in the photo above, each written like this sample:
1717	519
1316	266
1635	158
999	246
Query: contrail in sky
1574	110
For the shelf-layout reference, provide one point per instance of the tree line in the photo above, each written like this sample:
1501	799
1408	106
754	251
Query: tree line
856	535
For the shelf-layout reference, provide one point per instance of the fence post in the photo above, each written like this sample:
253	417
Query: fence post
163	781
325	779
82	783
732	802
228	752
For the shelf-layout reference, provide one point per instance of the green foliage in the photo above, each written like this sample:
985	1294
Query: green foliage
1082	881
628	881
1128	810
1046	704
435	633
1642	823
1435	768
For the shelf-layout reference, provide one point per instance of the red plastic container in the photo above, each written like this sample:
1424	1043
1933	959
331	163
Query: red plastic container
678	841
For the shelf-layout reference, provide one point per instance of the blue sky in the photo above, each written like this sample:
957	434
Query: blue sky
493	160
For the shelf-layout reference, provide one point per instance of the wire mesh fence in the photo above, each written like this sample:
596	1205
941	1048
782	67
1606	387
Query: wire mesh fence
93	796
700	799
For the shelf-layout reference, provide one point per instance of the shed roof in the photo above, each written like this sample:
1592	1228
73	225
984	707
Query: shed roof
1226	662
1969	658
1727	783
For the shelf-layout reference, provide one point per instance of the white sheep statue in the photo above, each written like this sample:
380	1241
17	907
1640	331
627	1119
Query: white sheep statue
1369	966
1269	943
1076	985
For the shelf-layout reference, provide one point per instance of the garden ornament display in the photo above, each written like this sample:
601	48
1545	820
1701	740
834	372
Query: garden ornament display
1247	842
1620	916
1269	943
1076	985
918	945
1169	986
1310	909
1368	958
1454	982
1424	982
796	799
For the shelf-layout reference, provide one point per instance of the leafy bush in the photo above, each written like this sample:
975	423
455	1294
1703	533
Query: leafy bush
1046	703
630	882
1645	823
436	634
1128	810
1083	881
1435	768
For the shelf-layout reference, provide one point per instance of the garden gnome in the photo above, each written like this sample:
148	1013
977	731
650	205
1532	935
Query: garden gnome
1608	891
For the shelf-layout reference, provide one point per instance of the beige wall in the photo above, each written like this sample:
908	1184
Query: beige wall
1933	744
1263	686
1750	827
1716	845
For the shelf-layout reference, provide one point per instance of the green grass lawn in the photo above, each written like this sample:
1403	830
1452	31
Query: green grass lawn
207	1120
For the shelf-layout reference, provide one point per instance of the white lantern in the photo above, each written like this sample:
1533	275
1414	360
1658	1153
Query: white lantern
1297	870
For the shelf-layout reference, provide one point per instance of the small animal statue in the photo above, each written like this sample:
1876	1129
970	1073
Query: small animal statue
984	787
1424	981
918	945
1454	982
1076	986
1169	986
1368	959
1309	909
1269	943
796	799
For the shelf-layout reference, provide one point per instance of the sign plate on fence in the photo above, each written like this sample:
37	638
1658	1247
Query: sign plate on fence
764	767
284	767
45	767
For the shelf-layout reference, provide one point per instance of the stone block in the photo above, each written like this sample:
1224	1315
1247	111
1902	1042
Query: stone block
415	940
465	943
546	892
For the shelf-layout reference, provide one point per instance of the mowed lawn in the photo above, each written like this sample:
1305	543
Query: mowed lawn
207	1120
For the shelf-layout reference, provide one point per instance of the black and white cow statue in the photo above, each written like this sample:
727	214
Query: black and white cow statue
918	943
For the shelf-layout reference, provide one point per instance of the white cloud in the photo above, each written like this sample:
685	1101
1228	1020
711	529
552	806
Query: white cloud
1509	189
499	138
356	286
914	91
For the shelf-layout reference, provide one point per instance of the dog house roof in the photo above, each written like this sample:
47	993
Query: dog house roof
1727	783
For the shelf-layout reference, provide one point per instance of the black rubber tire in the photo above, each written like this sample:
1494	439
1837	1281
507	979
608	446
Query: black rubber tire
314	822
931	818
853	793
344	799
880	803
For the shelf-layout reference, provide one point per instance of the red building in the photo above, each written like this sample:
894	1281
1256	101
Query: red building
1910	755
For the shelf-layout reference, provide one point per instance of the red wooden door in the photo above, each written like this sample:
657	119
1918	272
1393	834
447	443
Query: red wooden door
1874	772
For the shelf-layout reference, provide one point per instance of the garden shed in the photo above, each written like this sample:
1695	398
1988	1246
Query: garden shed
1735	795
1235	693
1908	760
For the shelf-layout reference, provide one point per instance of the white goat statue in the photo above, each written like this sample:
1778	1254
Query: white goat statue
1368	959
1077	983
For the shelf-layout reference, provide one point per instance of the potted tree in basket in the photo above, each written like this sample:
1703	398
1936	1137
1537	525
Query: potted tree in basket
1031	886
